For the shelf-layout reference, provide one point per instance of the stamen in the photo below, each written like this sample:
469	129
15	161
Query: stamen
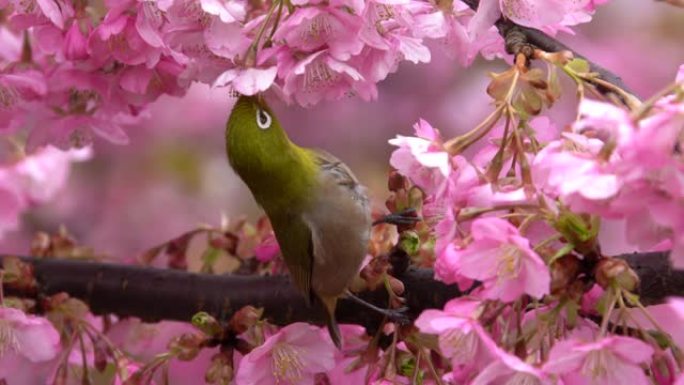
8	339
596	364
508	266
8	96
319	29
318	76
287	364
464	344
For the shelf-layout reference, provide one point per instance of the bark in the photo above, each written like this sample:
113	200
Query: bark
157	294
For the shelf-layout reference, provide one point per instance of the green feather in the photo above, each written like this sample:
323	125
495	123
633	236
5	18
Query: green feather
319	211
280	175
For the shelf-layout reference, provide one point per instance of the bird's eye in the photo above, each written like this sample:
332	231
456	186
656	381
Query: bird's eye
263	119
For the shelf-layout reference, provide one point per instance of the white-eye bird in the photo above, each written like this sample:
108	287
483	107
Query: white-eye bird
319	211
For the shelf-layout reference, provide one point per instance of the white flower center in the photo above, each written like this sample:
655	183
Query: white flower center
287	364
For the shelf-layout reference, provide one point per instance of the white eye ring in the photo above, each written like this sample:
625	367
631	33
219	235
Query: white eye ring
263	119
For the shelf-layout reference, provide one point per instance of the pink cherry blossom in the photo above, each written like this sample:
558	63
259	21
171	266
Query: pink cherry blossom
228	11
461	337
28	347
348	367
291	356
34	338
117	38
422	158
319	76
503	260
312	28
611	360
573	176
75	44
248	81
548	15
267	250
510	370
390	26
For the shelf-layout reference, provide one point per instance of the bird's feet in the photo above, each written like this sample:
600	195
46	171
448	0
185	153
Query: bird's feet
398	316
405	217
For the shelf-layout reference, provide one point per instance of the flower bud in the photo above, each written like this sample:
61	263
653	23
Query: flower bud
187	346
207	324
409	241
617	272
245	318
220	370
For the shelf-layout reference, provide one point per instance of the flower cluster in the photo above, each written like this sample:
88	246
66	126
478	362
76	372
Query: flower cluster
517	225
70	70
612	159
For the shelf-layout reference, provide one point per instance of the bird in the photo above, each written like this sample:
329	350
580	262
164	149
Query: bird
319	211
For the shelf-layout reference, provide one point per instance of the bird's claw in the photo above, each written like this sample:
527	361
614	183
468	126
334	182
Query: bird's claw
398	316
404	217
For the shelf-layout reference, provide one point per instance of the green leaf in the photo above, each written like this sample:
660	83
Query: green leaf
561	252
209	258
578	66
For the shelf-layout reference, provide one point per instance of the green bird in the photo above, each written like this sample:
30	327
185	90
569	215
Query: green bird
319	211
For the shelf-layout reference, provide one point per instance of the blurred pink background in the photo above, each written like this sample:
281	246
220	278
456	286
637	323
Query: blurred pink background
174	175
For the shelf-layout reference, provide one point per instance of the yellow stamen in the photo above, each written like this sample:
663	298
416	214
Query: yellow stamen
8	339
509	263
287	364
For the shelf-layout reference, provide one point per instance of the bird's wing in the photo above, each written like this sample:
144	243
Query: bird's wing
339	219
333	168
294	238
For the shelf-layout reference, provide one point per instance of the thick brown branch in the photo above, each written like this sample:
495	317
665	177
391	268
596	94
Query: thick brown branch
156	294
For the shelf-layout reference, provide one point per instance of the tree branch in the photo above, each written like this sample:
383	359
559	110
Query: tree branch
547	43
156	294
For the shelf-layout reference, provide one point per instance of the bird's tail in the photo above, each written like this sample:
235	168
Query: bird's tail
330	303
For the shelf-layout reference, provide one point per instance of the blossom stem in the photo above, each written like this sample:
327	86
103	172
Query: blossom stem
646	106
252	50
390	370
468	214
497	161
456	145
85	379
546	241
277	20
629	100
514	83
652	320
609	310
433	372
416	369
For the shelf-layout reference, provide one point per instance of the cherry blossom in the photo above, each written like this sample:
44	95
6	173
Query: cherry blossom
291	356
461	337
503	260
611	360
